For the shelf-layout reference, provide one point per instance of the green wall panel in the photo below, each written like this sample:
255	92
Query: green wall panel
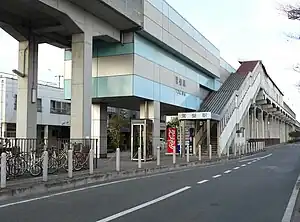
106	86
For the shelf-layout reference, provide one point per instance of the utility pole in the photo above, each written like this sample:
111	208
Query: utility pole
59	77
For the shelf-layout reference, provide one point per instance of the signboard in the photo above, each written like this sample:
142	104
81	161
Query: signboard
194	115
171	139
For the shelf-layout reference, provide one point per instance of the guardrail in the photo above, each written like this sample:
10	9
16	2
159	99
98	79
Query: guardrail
24	157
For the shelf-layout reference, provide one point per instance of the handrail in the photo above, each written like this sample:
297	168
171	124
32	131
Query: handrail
226	136
241	95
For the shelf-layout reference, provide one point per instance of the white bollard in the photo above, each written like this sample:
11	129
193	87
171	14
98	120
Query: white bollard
91	161
158	156
234	147
118	160
228	154
70	163
199	153
188	154
210	152
45	166
239	148
174	155
139	158
3	170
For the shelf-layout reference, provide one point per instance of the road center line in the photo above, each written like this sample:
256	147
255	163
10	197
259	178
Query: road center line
203	181
236	168
216	176
256	158
243	165
227	171
138	207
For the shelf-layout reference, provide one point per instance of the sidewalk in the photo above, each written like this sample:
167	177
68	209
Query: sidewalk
105	171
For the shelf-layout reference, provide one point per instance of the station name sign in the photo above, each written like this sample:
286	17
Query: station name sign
194	115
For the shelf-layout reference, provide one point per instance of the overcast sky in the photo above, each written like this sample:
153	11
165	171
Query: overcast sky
242	30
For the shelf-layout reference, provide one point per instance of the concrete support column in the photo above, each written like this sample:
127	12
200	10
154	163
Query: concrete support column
266	126
208	133
261	125
3	129
99	128
46	132
81	89
248	127
253	123
26	126
151	110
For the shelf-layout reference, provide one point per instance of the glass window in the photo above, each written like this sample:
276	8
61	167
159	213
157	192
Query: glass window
15	102
39	105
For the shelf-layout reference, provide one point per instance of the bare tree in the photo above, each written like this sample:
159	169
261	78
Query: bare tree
292	11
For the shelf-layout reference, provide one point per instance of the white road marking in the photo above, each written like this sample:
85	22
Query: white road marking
249	163
88	188
287	217
256	158
203	181
236	168
254	161
138	207
227	171
216	176
243	165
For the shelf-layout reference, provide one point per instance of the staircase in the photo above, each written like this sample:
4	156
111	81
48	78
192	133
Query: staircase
231	102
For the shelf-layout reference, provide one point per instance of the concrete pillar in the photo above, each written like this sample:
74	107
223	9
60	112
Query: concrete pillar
266	126
99	128
81	98
26	126
46	132
208	133
248	127
262	124
253	123
151	110
3	129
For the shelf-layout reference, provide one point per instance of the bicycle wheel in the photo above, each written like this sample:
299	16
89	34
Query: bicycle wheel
35	169
12	168
53	165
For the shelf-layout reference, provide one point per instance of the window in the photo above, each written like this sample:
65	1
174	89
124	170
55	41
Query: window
58	107
15	103
38	105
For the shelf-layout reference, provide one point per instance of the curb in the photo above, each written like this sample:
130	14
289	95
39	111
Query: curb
39	187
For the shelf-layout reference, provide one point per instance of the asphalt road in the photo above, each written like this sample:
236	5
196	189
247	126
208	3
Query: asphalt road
253	190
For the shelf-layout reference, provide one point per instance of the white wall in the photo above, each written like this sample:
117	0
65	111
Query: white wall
46	93
159	21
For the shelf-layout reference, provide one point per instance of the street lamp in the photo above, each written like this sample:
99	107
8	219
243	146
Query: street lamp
57	76
18	73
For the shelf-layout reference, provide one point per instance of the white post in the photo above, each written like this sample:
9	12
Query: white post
228	151
118	159
3	170
188	154
239	147
199	153
91	161
139	158
174	155
210	152
158	156
70	163
234	146
45	166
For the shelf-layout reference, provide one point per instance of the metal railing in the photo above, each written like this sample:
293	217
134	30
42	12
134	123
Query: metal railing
25	156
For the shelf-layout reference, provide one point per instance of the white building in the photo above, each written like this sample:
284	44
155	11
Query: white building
53	110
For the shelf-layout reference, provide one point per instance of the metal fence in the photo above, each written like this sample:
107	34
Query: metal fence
24	157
